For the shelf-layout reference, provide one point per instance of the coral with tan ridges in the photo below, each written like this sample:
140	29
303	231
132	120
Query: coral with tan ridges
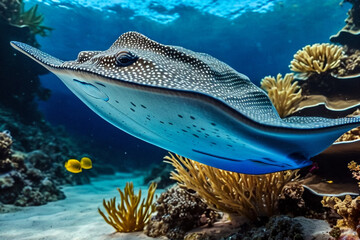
284	93
317	58
348	209
252	196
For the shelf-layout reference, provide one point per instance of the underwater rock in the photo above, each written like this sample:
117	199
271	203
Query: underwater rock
350	33
161	175
39	159
179	211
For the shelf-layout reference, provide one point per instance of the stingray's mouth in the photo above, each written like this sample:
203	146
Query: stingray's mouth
91	90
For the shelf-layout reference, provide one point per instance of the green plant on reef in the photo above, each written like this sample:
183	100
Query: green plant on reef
14	12
129	215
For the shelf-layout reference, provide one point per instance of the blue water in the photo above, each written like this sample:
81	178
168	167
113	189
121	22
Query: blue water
257	38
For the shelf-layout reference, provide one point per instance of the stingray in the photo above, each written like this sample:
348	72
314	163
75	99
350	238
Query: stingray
192	104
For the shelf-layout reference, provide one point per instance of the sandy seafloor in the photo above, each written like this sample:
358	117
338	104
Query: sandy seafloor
76	217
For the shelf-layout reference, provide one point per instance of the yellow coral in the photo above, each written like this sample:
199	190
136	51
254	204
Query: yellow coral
348	209
317	58
252	196
129	216
283	93
355	171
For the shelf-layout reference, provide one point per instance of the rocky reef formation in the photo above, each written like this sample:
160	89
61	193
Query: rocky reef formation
21	183
179	211
278	227
160	174
350	33
32	173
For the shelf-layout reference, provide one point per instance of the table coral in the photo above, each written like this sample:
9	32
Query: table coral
253	196
350	33
317	58
130	215
348	209
284	93
179	211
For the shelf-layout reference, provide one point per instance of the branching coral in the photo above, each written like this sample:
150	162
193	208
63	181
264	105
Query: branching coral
129	215
317	58
348	209
283	93
252	196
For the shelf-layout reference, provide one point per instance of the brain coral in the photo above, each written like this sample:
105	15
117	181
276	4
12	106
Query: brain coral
317	58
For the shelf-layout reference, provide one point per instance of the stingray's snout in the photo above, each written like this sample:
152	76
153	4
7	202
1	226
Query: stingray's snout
37	55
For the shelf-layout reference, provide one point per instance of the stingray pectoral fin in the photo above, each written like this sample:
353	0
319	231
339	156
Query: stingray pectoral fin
41	57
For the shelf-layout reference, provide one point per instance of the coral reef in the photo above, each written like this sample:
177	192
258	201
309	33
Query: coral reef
350	33
355	170
277	228
32	174
46	147
317	58
20	183
252	196
348	209
284	93
349	65
179	211
130	215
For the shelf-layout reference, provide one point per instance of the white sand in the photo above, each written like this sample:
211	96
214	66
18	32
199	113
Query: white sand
77	218
74	218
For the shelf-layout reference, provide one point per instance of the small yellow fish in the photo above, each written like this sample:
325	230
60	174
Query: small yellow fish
73	165
329	181
86	163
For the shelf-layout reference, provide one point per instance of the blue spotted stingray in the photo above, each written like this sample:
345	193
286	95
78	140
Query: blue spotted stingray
192	104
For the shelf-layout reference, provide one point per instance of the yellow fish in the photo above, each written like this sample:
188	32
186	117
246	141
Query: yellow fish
329	181
73	165
86	163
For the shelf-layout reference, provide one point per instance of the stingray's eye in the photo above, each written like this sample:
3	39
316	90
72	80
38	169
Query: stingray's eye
125	58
